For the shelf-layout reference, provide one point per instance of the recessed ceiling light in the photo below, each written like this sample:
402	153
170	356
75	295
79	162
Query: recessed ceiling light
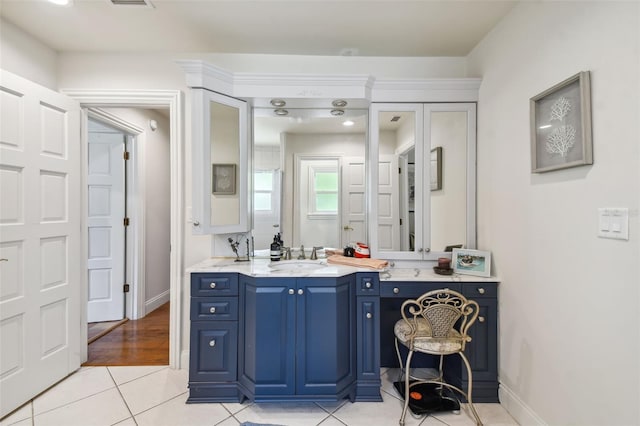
348	123
61	2
337	112
278	103
339	103
281	111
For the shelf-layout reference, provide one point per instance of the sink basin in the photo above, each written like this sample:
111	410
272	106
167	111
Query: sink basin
296	265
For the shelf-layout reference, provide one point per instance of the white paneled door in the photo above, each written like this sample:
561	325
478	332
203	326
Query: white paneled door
40	219
106	231
354	225
388	199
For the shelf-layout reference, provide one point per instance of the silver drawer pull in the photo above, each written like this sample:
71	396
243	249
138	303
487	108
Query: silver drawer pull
368	285
212	285
481	290
212	309
481	319
291	291
300	291
369	316
396	290
212	343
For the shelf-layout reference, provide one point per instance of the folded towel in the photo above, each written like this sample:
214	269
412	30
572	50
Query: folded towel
358	262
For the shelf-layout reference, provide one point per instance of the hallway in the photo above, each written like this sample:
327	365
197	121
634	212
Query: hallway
138	342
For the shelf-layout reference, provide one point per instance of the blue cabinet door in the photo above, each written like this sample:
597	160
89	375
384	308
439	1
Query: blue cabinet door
325	336
213	350
267	352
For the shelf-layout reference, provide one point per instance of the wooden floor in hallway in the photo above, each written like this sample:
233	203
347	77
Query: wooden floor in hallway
137	342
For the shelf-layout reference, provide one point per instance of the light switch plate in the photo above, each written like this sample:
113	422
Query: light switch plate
613	223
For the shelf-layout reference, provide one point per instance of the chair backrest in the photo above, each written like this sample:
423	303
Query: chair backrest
444	310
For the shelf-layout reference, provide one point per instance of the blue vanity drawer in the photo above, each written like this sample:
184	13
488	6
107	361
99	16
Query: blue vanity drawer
214	284
479	290
367	284
413	289
214	308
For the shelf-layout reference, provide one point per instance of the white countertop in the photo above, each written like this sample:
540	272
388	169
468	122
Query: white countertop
260	267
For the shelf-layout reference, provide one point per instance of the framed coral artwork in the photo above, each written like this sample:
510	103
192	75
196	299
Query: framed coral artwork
561	125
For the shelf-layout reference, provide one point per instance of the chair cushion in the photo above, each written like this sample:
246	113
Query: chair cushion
423	342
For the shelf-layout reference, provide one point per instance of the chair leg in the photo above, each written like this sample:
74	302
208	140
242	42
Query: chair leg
470	389
406	387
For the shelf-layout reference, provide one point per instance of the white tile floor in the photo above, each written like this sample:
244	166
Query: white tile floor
155	396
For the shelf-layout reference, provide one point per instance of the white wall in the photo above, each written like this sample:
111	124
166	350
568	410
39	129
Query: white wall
24	55
569	301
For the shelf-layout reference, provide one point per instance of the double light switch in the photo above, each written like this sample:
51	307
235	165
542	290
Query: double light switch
613	223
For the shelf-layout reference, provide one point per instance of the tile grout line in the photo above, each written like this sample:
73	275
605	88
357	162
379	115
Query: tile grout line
122	396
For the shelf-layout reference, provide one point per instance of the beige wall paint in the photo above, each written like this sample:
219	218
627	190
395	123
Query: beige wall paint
569	301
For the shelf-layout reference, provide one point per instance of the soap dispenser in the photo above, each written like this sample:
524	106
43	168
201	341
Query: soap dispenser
275	249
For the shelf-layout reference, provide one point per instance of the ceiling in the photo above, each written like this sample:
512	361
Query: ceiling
299	27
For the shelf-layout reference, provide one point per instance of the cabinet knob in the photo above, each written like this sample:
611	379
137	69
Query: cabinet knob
212	309
396	290
212	343
481	319
368	284
196	223
291	291
369	316
481	290
300	291
212	285
428	249
420	250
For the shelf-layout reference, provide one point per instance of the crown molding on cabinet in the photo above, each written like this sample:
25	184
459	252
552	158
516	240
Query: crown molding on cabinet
298	87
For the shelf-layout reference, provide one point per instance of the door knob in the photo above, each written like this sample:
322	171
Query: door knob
347	228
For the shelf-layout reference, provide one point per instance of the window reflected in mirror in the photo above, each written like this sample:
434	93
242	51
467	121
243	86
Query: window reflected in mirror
309	178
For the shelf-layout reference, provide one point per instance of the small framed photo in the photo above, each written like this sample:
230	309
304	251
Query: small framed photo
224	179
561	125
471	262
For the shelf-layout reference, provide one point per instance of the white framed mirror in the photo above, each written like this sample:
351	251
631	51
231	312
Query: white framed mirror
309	177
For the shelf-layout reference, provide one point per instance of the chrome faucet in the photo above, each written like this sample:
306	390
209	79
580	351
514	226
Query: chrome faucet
301	255
287	253
314	254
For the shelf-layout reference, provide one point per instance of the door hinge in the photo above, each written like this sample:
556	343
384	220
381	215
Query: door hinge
126	288
399	170
126	155
126	221
400	222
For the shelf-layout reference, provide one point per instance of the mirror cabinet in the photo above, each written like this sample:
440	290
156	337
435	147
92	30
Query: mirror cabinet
220	164
403	179
422	172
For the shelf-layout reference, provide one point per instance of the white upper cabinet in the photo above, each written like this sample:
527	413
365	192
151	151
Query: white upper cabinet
220	163
422	173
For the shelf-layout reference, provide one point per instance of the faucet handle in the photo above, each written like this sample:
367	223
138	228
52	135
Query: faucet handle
314	254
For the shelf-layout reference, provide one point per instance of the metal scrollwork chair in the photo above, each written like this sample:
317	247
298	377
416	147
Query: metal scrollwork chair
436	323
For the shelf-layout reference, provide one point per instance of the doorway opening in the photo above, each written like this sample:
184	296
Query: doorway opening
128	236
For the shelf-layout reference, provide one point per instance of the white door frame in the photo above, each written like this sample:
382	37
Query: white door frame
135	270
172	99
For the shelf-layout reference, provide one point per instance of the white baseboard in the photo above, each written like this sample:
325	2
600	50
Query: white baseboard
520	411
156	302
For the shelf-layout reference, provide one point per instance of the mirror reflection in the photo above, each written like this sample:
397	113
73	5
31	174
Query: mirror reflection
422	180
309	178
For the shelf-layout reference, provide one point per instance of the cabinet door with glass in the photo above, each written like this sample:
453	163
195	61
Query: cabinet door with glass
220	163
422	177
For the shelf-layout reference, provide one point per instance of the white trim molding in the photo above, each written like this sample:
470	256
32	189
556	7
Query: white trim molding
173	99
520	411
359	89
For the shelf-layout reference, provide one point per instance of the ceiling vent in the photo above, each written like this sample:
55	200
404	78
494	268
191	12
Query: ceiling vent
145	3
395	118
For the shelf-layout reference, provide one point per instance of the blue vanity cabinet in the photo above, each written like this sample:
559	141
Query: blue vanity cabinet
482	351
368	337
298	338
213	338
